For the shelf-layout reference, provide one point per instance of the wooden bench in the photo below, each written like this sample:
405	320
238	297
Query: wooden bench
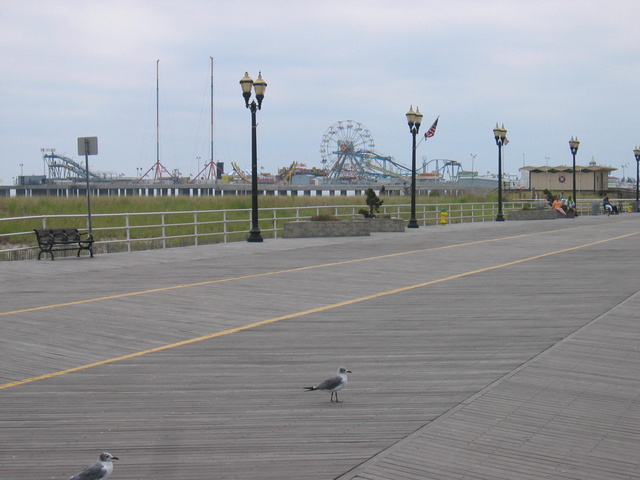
60	239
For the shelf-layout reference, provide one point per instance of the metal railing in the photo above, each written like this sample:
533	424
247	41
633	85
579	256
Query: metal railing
126	232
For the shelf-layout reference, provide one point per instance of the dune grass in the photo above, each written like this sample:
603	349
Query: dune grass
175	216
47	205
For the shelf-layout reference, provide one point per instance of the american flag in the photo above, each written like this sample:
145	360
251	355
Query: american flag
432	131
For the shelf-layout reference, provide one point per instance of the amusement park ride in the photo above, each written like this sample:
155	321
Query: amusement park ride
61	167
348	154
347	151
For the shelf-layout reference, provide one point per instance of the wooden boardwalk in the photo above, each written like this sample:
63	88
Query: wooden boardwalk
479	351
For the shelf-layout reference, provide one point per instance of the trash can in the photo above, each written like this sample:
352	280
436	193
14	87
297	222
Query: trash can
595	209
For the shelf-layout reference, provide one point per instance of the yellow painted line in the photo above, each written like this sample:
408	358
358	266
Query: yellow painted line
307	312
255	275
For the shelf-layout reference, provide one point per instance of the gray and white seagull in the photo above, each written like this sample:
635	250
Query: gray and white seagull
333	384
97	471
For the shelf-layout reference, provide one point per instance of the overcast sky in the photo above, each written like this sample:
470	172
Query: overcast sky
547	69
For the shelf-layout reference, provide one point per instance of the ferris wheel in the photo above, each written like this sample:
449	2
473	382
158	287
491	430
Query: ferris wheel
346	149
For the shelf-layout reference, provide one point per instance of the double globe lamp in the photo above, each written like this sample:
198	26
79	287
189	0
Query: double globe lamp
414	119
258	87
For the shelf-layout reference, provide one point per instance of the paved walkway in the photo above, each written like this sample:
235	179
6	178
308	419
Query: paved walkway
479	351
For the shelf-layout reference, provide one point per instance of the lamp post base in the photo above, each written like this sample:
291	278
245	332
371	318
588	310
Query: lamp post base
254	236
413	223
500	218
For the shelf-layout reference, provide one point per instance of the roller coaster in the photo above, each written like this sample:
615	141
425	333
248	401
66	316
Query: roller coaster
64	168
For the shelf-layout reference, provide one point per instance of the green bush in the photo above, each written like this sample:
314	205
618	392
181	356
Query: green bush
374	203
549	195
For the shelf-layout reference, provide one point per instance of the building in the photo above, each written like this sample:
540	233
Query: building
591	179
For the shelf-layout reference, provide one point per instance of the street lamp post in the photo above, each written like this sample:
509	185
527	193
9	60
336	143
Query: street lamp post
500	135
574	143
259	86
414	119
636	152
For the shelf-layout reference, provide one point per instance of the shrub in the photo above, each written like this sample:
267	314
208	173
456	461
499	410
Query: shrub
549	195
374	203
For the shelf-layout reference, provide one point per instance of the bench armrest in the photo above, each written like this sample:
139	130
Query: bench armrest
46	239
85	236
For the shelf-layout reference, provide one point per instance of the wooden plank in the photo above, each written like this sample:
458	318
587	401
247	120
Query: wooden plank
470	357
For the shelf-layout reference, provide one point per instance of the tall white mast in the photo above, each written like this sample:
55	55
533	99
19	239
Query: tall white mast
158	111
215	176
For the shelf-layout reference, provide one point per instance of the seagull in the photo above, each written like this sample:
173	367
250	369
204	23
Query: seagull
333	384
99	470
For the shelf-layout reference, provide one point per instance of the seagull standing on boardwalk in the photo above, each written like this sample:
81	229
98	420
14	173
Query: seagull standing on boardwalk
333	384
99	470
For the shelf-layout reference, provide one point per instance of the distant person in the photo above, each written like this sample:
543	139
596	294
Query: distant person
608	207
557	205
570	204
382	190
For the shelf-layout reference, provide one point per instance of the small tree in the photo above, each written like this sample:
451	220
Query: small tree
374	203
550	196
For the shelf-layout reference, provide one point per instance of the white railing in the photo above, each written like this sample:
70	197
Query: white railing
126	232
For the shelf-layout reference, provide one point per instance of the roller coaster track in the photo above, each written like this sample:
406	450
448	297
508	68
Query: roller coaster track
399	166
59	165
373	165
388	173
240	173
286	177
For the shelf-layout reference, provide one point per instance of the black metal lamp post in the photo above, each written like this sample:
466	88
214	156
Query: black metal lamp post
259	86
500	135
636	152
414	119
574	143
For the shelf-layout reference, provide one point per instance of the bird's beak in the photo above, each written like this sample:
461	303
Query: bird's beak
115	458
349	371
